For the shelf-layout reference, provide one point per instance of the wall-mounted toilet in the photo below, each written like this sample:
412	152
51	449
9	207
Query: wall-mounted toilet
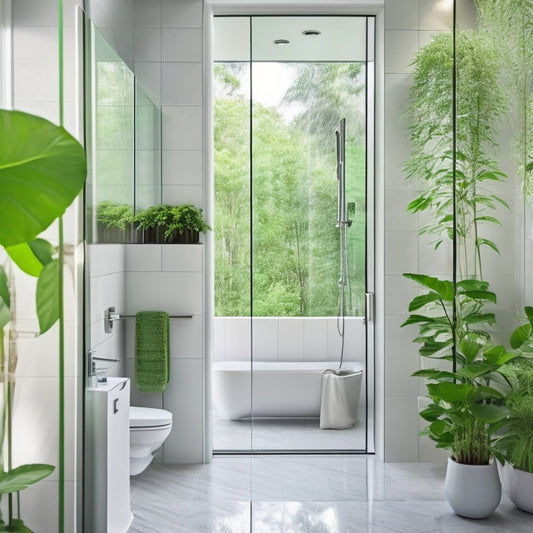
148	430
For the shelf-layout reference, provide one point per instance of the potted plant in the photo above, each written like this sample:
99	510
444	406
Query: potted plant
149	222
464	406
42	170
115	223
514	440
169	224
184	225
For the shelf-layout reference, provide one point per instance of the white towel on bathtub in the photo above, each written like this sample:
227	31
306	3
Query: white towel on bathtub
340	399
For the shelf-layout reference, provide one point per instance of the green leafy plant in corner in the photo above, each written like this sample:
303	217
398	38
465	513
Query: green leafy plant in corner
185	217
479	111
465	405
113	215
115	222
168	219
42	170
514	440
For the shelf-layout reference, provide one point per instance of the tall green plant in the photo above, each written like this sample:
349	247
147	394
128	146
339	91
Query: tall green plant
433	161
509	23
42	170
464	407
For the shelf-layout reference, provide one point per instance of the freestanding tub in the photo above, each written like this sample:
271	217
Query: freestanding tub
279	388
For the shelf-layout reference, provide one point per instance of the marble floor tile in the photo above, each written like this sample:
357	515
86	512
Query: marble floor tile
305	494
285	434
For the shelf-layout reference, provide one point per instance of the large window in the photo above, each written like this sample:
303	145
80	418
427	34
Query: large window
277	250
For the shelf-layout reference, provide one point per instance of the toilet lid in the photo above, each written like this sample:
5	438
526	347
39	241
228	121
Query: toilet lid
149	417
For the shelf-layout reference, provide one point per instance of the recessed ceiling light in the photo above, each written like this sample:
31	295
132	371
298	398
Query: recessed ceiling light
311	32
281	41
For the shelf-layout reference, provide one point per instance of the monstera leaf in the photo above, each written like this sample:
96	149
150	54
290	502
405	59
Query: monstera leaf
42	170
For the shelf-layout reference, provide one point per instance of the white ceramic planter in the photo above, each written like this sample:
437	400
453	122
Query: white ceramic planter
518	485
473	491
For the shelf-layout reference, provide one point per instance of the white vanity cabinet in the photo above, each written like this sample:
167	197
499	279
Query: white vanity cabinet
109	456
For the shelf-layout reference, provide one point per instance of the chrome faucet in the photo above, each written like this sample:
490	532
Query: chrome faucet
91	362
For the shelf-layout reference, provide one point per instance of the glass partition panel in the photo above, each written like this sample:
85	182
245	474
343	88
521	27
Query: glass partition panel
147	151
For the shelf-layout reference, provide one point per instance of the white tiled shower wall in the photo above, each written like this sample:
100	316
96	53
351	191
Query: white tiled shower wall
287	339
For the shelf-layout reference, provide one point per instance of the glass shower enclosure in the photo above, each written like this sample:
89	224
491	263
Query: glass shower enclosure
293	279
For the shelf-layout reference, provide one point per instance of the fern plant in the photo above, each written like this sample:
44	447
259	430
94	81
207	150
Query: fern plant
432	161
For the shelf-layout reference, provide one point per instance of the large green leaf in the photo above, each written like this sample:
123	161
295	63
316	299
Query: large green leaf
489	413
23	476
47	296
5	300
422	300
42	170
450	392
520	335
443	288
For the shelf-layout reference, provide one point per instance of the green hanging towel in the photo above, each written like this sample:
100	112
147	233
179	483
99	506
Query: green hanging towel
151	351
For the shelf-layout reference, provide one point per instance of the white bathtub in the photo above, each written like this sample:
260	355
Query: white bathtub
279	388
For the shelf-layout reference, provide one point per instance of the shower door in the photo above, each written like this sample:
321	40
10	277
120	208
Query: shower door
292	284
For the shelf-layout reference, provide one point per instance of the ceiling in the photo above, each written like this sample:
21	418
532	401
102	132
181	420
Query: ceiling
341	38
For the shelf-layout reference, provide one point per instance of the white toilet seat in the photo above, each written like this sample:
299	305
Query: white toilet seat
147	417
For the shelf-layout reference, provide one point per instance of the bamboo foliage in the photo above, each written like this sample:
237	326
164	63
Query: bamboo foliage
509	23
480	107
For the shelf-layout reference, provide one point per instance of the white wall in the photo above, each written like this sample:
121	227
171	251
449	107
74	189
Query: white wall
36	437
287	339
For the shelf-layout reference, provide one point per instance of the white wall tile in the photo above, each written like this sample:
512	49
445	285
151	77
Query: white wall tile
238	339
401	15
184	399
182	167
31	13
147	44
400	291
398	340
35	421
398	149
265	339
180	194
178	293
396	215
182	128
182	45
36	80
400	48
401	252
355	340
219	338
401	427
183	258
398	379
334	338
185	14
397	88
143	257
39	504
182	83
31	42
436	15
186	337
147	14
315	340
291	339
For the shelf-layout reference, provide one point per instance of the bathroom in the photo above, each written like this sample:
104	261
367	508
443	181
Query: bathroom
167	44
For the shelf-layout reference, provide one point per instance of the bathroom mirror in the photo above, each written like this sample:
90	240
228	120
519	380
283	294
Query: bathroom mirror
123	144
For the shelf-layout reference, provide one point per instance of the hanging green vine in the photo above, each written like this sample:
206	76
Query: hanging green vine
480	107
509	23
